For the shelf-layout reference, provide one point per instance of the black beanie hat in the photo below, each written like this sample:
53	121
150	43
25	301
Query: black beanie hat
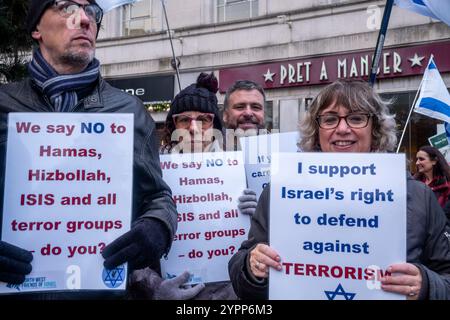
36	9
199	96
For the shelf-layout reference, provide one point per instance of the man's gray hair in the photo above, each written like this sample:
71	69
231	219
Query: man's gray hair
243	85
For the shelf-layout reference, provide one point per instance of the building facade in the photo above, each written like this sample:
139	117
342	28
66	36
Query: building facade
292	48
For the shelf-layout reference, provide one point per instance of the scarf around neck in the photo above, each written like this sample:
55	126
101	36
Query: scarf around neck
61	89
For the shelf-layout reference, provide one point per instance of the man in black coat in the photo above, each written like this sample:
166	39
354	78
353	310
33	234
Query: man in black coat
65	77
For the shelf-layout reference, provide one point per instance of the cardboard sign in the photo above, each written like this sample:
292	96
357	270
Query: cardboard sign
68	193
205	188
337	220
257	155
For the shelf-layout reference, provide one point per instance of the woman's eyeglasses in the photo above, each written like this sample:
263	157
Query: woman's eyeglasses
184	121
353	120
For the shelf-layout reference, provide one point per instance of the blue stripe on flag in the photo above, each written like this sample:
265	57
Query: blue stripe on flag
435	105
419	2
447	129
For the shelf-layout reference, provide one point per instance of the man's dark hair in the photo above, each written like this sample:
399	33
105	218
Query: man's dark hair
243	85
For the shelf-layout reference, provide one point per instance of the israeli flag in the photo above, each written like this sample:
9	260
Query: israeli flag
447	131
434	99
436	9
108	5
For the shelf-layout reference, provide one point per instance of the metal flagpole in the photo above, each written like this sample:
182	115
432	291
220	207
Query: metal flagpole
175	59
380	41
409	116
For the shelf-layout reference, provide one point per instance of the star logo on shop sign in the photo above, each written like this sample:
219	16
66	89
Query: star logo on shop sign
331	295
416	60
268	76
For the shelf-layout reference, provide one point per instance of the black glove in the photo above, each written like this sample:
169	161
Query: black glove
14	263
141	247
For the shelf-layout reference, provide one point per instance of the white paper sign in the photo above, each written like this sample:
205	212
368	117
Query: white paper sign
68	193
205	188
257	155
337	220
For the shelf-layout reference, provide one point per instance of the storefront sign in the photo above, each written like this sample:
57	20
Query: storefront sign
394	62
149	89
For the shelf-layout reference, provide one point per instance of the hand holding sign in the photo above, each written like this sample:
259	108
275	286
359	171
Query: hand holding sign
170	289
14	263
140	246
405	279
261	258
247	202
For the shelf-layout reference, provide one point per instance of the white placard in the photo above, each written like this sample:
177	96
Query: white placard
257	155
205	188
336	219
68	193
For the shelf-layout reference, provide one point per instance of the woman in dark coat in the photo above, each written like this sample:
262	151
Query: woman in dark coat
434	171
351	117
193	124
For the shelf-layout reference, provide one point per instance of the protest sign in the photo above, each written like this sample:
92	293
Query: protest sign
257	152
337	220
68	193
439	140
205	188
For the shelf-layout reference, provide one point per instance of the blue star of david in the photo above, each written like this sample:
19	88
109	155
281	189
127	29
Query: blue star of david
170	276
113	276
331	295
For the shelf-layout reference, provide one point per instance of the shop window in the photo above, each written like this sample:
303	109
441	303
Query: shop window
274	114
160	133
268	115
308	102
137	18
419	129
229	10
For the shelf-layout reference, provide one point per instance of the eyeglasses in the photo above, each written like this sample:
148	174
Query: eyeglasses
184	121
353	120
66	8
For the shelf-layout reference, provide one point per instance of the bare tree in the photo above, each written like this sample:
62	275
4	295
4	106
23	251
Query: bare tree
15	43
